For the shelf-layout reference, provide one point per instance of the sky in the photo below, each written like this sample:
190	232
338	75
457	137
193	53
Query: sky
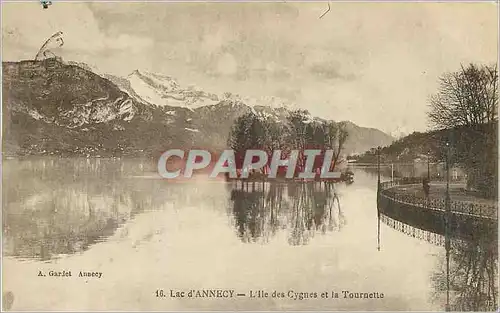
375	64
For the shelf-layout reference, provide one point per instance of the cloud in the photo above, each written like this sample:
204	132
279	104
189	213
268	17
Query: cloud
27	25
213	42
328	70
227	64
288	93
125	41
361	62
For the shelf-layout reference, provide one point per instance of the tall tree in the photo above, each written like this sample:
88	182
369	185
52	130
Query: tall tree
466	104
467	97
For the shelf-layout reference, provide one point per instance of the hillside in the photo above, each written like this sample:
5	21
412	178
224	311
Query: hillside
51	107
362	139
463	143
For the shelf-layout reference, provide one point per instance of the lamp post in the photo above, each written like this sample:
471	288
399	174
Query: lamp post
304	141
428	167
447	176
378	165
378	198
447	226
392	172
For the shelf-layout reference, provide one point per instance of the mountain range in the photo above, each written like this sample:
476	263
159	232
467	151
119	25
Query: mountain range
51	107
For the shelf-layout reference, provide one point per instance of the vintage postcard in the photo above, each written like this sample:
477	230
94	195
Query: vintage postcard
249	156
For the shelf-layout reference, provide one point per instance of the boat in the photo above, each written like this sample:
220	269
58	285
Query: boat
348	177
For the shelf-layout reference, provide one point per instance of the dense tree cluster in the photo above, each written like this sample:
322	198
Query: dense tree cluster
299	131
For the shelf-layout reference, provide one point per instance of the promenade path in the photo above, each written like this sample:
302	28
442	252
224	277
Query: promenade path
472	218
438	191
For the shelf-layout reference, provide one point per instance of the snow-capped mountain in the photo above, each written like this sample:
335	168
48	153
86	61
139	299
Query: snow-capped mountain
400	132
269	101
55	107
161	90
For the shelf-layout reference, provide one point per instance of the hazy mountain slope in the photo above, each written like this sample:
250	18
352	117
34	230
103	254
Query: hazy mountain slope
362	139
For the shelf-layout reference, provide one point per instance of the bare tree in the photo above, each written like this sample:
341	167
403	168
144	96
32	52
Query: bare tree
343	134
466	106
467	97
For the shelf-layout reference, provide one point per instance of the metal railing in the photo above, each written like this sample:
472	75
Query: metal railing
461	207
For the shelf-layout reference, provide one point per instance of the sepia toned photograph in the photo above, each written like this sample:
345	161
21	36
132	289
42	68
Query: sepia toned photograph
249	156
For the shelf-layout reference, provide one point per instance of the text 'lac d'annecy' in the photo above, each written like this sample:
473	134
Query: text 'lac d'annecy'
262	294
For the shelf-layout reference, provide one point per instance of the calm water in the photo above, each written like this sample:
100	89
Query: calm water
145	234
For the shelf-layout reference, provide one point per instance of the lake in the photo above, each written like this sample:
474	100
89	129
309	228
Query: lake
147	235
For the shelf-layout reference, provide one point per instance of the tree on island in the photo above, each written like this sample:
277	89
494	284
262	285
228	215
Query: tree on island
298	131
466	106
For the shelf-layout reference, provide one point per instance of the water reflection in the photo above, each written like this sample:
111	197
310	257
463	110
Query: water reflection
53	207
473	277
260	210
